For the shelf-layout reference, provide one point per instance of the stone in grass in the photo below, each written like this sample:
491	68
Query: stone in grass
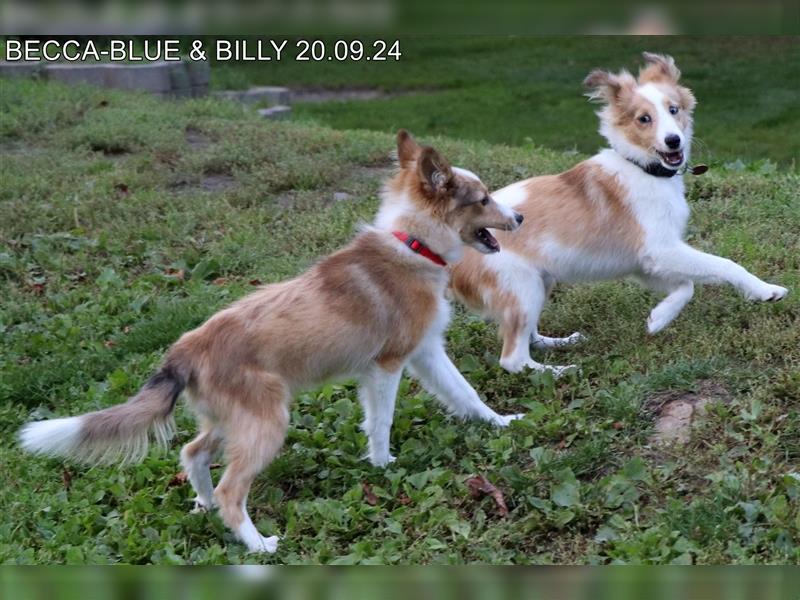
341	196
19	69
156	77
181	81
680	412
77	73
199	72
266	95
232	95
199	77
276	112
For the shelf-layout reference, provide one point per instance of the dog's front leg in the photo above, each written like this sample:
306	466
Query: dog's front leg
377	393
684	262
678	295
437	373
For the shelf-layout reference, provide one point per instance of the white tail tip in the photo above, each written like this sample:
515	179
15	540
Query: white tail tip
54	437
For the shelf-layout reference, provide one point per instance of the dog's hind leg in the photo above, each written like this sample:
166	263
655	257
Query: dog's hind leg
518	326
196	460
255	429
377	393
543	342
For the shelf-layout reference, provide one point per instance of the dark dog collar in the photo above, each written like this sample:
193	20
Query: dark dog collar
656	169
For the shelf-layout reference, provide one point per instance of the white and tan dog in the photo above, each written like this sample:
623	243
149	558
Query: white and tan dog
620	213
367	311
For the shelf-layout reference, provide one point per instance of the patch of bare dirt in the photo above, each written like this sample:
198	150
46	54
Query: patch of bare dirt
196	138
216	182
677	412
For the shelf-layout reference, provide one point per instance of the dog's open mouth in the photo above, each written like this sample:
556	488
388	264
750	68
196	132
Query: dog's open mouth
672	159
487	239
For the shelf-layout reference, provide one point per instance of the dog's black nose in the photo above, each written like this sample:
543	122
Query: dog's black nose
672	141
519	218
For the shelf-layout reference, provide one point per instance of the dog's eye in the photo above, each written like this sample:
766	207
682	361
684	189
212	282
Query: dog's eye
673	110
644	119
485	200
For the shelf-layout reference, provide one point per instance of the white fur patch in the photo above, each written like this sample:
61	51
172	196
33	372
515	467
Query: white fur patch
513	194
658	203
55	437
465	173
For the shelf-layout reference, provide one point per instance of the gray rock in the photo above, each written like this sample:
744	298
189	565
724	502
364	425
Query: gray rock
232	95
276	112
199	72
94	74
266	94
181	83
19	69
154	77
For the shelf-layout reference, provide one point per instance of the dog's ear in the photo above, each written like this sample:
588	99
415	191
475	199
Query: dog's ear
434	170
607	87
407	149
658	67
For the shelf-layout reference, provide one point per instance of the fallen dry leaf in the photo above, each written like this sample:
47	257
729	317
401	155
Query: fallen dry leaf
66	477
369	496
255	282
403	499
479	486
176	273
109	343
122	189
617	425
180	479
220	281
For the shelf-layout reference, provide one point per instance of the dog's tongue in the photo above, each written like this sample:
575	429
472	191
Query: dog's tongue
488	240
674	158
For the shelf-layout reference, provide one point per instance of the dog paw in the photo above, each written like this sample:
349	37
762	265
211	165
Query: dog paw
656	322
268	545
556	370
544	342
381	461
505	420
201	506
767	293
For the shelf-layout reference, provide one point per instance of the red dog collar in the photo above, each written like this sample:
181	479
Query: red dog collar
417	246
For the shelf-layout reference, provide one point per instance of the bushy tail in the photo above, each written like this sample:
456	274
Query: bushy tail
117	434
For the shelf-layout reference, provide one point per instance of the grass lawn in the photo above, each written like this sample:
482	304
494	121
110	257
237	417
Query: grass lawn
518	90
125	220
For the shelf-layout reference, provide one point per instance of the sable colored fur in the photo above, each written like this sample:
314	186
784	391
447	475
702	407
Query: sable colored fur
367	311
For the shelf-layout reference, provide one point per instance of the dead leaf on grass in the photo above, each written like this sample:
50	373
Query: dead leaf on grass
479	486
369	496
66	477
180	479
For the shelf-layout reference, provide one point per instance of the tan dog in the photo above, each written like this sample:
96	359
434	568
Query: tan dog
367	311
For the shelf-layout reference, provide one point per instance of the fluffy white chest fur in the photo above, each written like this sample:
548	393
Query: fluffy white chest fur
657	203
